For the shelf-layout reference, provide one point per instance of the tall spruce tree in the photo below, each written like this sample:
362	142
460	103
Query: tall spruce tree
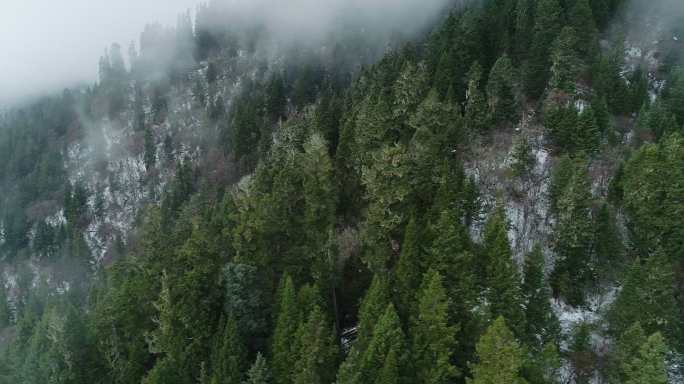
574	239
649	365
547	24
286	322
316	351
502	281
433	338
541	324
499	357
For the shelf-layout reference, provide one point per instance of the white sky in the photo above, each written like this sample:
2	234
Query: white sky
46	45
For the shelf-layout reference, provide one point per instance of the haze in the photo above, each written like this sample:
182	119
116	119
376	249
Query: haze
47	45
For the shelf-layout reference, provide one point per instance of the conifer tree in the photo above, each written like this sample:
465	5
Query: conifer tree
390	370
259	372
282	348
374	303
581	19
647	297
433	338
388	338
547	24
387	186
649	365
541	324
502	93
450	256
503	293
524	26
588	136
608	246
561	121
476	117
574	239
407	272
499	357
230	359
581	353
565	63
5	314
316	355
626	348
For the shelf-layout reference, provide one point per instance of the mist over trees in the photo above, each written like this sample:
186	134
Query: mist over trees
353	192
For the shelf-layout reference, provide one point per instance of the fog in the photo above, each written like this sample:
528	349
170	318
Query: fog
47	45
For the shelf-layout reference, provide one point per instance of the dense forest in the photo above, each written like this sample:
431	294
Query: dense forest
495	197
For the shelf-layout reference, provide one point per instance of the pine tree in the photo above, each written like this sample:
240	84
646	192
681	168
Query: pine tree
581	19
319	209
450	255
647	297
546	29
408	90
150	150
388	337
500	357
476	117
282	348
565	63
502	93
374	303
5	314
433	339
626	348
574	239
561	122
390	370
230	359
648	367
523	158
609	247
588	136
541	324
503	293
581	353
259	372
524	26
407	272
316	351
387	185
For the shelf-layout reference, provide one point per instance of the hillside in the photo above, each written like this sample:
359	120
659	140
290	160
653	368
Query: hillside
487	192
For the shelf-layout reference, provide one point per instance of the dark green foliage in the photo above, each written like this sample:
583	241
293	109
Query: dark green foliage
561	122
541	324
282	349
546	29
574	238
500	357
502	93
502	281
647	297
230	356
349	170
433	338
649	365
627	347
259	372
609	248
316	350
565	62
476	117
581	353
523	158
